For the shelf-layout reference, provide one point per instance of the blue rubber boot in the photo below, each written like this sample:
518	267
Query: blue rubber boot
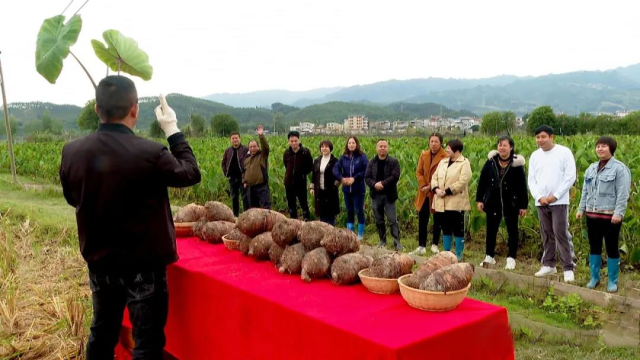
614	270
350	226
360	232
595	262
446	242
459	247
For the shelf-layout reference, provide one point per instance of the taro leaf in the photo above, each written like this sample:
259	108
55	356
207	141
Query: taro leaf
123	54
52	47
634	257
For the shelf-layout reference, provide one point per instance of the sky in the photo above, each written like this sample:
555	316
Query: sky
199	48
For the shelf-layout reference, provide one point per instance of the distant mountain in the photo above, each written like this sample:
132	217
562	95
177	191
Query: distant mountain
631	72
248	118
267	97
585	91
185	105
30	111
338	111
386	92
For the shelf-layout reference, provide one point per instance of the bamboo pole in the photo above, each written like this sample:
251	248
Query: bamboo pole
8	125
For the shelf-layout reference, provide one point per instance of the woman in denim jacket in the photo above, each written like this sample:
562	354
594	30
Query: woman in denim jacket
605	192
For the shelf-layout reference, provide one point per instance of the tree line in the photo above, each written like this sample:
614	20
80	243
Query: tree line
496	122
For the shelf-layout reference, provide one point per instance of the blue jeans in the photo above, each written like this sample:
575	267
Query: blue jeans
355	205
145	294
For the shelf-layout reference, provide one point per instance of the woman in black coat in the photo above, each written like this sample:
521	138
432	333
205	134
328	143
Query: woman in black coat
502	193
324	185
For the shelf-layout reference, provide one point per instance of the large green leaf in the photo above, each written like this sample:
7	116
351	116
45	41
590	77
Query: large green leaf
123	54
54	40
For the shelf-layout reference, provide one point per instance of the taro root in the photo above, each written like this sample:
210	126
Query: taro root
345	269
316	264
407	264
311	234
449	278
275	253
435	262
244	245
291	259
256	221
340	241
236	235
198	226
285	231
391	266
213	231
260	246
217	211
190	213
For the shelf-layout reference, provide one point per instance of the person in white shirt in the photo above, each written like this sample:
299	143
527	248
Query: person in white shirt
552	173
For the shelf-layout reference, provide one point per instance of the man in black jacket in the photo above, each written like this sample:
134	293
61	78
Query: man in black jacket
382	175
232	168
117	183
298	164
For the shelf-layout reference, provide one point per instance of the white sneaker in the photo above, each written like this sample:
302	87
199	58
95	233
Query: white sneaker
568	276
489	260
546	270
511	264
434	249
421	250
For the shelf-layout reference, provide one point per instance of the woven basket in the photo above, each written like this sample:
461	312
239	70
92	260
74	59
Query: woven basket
378	285
230	243
184	229
431	301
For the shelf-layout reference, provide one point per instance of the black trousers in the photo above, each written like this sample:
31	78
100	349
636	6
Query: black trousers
237	190
599	229
423	224
451	222
493	225
297	191
259	196
145	295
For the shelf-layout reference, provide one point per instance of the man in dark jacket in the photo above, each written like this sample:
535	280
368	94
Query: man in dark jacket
383	173
117	183
298	164
232	168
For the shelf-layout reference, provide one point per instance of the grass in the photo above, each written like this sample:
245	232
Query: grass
45	304
44	296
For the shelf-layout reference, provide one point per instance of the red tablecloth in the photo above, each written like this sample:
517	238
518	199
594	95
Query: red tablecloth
224	305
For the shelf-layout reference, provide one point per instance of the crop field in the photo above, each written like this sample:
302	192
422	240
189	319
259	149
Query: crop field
41	160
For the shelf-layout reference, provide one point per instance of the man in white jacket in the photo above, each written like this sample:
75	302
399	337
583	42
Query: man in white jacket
552	173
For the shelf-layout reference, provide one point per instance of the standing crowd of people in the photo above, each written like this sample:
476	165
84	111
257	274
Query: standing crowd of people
117	182
443	174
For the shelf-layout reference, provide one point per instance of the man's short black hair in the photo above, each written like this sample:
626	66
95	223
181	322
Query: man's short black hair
436	134
115	96
385	140
234	133
544	128
455	145
293	133
609	141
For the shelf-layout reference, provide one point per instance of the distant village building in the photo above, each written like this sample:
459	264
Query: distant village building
622	113
356	123
333	127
